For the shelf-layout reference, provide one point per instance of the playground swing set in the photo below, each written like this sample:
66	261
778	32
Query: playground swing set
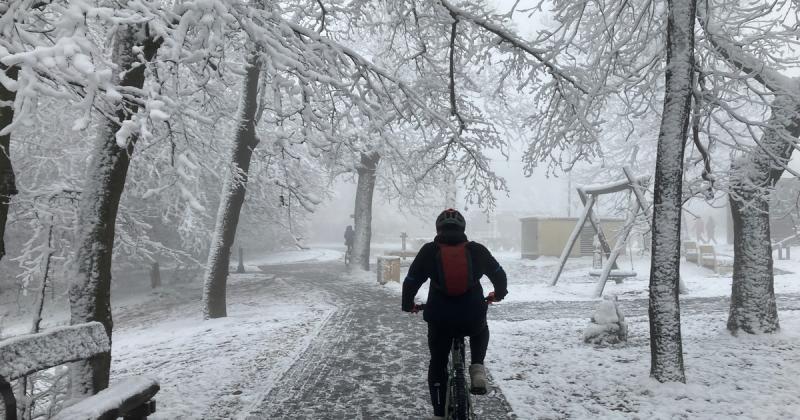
589	194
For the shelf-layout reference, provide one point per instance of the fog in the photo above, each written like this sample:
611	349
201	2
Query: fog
538	194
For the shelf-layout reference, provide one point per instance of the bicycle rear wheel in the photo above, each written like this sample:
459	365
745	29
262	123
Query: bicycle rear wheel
460	387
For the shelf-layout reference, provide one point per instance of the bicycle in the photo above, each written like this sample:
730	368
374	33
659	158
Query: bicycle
458	398
348	255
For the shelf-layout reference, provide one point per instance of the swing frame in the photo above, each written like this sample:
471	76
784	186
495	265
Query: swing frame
589	195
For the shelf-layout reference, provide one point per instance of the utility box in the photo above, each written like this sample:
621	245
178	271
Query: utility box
388	269
547	236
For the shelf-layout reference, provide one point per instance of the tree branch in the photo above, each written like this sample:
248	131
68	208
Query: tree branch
452	82
515	41
741	59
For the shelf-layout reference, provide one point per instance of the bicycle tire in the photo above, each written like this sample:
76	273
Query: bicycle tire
460	386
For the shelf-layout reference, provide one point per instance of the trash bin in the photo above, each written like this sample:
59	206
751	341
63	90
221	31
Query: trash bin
388	269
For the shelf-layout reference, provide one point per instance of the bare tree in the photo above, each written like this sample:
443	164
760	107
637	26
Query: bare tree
91	291
233	193
7	181
754	174
363	207
666	349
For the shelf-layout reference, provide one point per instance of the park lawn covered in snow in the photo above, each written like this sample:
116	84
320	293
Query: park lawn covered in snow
547	372
529	280
216	368
290	257
223	364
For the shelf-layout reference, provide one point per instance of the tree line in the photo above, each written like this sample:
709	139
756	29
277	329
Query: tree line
269	101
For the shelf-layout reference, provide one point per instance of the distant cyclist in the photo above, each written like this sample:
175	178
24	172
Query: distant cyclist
349	237
455	305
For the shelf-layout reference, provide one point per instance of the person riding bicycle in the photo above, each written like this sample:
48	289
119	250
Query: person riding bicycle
455	305
349	236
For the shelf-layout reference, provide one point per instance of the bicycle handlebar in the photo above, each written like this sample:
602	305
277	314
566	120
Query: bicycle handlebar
421	306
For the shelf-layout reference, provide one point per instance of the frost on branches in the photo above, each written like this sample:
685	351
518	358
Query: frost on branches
90	292
754	174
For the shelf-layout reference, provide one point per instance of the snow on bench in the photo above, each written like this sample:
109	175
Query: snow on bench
708	258
124	397
690	252
25	354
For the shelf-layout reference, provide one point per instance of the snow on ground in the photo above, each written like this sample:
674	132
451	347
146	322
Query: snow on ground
220	365
291	257
225	363
547	372
529	280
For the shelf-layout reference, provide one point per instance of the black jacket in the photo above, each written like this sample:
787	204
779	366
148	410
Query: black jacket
463	310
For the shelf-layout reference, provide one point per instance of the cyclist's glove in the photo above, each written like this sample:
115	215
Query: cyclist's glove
494	297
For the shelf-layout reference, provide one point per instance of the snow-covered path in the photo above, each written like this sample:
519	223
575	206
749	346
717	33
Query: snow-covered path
369	360
309	340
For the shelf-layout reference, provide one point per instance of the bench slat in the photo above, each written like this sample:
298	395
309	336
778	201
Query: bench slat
112	402
26	354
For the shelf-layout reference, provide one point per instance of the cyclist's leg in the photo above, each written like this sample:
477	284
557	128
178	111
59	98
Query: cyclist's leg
478	343
439	341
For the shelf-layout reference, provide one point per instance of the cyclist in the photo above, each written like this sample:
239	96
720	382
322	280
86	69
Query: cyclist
455	305
349	237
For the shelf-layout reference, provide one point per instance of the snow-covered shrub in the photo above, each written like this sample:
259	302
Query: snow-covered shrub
607	325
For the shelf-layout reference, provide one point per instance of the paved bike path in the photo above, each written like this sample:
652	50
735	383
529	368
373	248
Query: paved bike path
369	360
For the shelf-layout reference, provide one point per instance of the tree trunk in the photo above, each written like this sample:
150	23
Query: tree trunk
90	293
7	182
240	268
753	308
233	192
666	348
155	275
363	208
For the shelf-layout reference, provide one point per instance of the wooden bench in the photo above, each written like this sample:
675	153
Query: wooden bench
690	252
707	257
724	265
24	355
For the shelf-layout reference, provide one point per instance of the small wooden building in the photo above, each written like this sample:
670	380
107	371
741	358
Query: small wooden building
546	236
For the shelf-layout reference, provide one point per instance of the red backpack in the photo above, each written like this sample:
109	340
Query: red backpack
456	268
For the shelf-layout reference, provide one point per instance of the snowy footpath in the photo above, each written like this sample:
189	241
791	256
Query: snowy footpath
306	339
